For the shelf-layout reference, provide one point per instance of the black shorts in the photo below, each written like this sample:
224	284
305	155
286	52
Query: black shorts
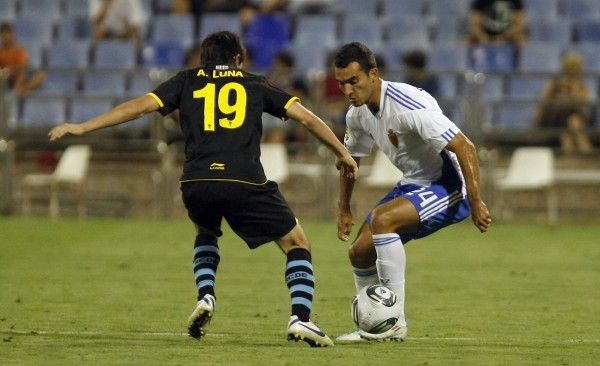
257	213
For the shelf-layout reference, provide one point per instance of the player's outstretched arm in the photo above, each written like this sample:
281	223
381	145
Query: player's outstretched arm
124	112
469	164
345	217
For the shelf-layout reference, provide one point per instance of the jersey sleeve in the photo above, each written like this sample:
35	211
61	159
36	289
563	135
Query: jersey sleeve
433	127
357	140
276	101
168	94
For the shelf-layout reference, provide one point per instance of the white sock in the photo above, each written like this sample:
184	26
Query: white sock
365	276
391	263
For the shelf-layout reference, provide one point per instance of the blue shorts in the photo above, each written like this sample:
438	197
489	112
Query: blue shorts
438	205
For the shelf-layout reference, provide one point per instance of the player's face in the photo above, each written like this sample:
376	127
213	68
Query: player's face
357	84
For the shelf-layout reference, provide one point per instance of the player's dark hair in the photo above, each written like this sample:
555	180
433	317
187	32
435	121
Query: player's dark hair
220	48
355	52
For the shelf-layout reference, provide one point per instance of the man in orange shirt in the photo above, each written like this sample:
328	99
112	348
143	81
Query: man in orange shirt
14	60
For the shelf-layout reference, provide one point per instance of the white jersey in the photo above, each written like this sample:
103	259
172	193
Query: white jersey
409	128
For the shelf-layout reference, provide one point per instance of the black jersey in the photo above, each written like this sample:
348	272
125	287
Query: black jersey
220	113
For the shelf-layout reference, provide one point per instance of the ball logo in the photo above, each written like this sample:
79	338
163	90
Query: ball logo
381	295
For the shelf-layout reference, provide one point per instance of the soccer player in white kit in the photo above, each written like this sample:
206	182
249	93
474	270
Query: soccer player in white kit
440	184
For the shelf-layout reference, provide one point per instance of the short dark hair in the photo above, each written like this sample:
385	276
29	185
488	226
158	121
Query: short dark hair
355	52
416	59
220	48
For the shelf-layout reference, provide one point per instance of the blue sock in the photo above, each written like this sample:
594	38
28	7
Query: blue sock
300	281
206	261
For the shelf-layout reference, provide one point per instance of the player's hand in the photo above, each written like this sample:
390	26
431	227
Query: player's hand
481	215
64	129
344	225
348	166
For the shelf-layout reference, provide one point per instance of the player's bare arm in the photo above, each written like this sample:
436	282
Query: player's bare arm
319	129
124	112
345	218
469	164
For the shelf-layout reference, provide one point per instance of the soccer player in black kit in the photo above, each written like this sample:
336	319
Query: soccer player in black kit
220	109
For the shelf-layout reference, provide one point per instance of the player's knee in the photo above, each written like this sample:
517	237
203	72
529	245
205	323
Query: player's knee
361	257
382	221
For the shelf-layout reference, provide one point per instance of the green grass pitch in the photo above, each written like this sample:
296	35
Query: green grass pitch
108	291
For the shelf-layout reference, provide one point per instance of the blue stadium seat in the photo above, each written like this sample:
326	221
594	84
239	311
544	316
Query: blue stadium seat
34	27
408	32
173	28
493	57
68	54
540	57
455	9
164	54
590	51
140	83
316	29
448	29
60	83
8	10
309	56
79	8
35	50
363	28
41	112
557	31
266	36
74	27
84	108
448	86
448	57
402	8
526	87
513	116
540	10
213	22
588	31
115	54
104	82
34	8
493	87
581	9
367	8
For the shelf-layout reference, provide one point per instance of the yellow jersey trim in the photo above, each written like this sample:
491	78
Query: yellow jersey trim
291	101
160	103
222	180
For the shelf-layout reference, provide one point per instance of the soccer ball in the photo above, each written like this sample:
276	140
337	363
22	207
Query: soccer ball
375	309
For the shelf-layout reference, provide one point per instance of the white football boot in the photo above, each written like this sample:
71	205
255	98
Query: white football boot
308	332
397	333
201	316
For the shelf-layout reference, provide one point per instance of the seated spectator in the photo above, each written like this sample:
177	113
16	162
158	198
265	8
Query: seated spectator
14	62
565	106
416	73
117	19
493	21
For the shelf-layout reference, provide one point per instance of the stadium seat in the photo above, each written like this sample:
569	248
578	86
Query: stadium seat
69	54
383	173
408	32
104	82
266	36
557	31
140	83
493	87
526	87
173	28
590	51
8	10
393	9
213	22
455	9
68	177
33	8
362	28
513	116
536	10
164	54
447	85
40	112
274	159
59	83
74	27
448	29
316	30
115	54
493	57
540	57
581	9
356	7
588	31
448	57
84	108
34	28
79	8
530	169
35	50
309	57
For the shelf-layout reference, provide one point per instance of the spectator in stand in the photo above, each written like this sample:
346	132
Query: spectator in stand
417	74
493	21
14	61
565	106
118	19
